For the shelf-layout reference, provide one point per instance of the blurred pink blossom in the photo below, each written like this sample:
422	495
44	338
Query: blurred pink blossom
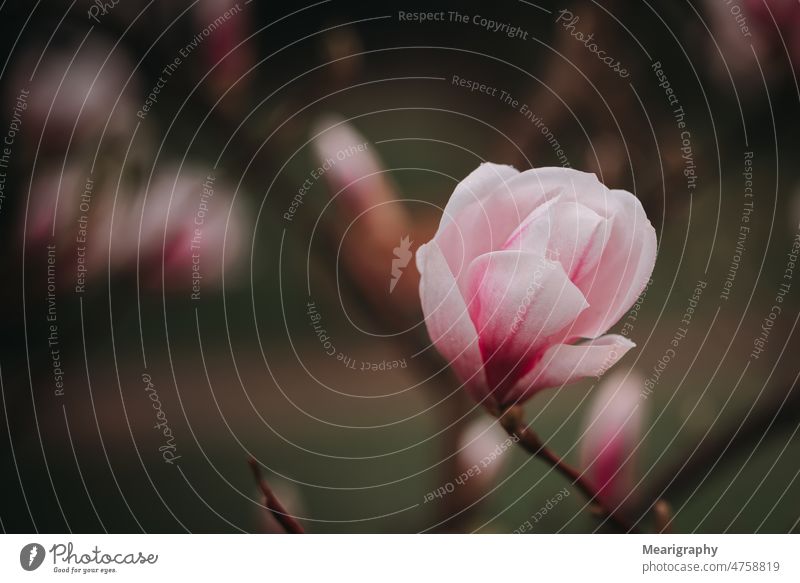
373	219
226	54
69	210
184	228
184	220
776	23
83	90
483	447
749	29
613	430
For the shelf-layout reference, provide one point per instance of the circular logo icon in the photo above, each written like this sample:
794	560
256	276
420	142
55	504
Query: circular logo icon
31	556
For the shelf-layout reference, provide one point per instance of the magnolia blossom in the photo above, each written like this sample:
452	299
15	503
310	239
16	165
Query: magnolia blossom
525	275
758	40
226	54
180	227
481	451
376	235
77	95
74	213
777	25
183	230
612	434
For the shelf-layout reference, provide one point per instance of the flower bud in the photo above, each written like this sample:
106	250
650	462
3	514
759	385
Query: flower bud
75	97
483	446
190	229
227	55
377	240
613	430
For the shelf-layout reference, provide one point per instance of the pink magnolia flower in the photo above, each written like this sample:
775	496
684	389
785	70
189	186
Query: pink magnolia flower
68	210
776	24
226	55
187	226
76	96
755	37
186	231
613	431
52	191
376	234
525	275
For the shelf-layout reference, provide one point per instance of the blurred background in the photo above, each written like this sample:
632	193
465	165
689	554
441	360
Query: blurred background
209	209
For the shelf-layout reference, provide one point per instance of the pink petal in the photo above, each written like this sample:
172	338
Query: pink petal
447	318
476	188
518	301
624	268
578	239
575	234
562	364
484	225
533	234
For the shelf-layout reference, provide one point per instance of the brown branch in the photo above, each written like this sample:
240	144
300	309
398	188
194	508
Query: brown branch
511	420
778	411
286	520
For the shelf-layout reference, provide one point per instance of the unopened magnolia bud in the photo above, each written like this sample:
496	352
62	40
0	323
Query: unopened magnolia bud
482	452
191	229
613	430
76	96
377	242
227	54
73	210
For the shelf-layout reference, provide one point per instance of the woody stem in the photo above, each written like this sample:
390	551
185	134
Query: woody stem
286	520
512	421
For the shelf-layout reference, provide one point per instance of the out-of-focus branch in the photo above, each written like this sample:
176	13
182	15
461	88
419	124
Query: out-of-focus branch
780	411
286	520
512	421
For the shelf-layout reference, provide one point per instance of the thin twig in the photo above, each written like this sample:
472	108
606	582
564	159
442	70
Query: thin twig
778	411
511	420
286	520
